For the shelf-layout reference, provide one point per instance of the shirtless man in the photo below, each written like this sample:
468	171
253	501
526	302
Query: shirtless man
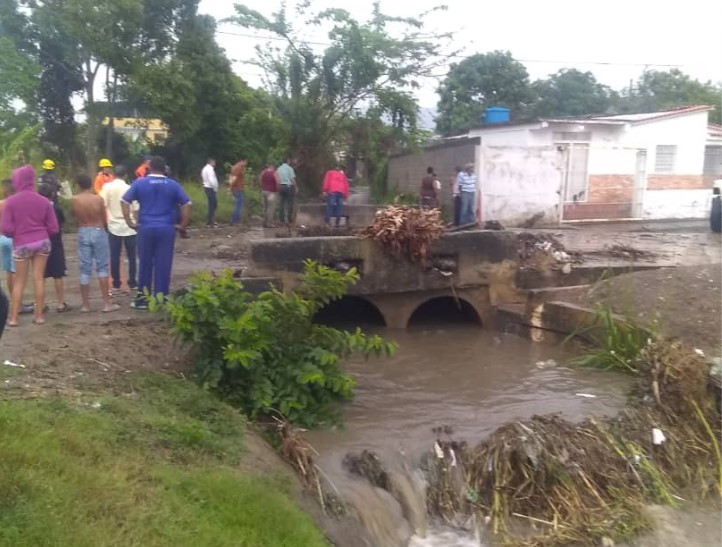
89	211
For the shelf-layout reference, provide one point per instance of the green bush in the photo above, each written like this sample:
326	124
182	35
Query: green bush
266	355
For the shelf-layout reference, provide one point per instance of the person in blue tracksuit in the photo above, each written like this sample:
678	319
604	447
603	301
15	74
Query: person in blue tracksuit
159	197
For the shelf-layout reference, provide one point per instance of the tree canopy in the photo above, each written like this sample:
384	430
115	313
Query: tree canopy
571	92
369	65
478	82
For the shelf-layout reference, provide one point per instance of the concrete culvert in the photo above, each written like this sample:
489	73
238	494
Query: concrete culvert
350	311
444	309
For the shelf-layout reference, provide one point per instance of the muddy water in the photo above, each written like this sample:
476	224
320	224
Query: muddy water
471	379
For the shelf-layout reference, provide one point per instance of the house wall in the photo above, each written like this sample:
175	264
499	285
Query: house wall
519	181
677	203
406	171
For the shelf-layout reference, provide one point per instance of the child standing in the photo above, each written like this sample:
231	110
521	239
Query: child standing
55	268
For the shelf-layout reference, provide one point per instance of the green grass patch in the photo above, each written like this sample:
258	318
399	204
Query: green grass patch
157	466
253	204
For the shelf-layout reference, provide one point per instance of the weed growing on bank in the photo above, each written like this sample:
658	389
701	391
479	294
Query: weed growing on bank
156	466
616	342
265	354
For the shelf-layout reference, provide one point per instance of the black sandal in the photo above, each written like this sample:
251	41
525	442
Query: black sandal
64	308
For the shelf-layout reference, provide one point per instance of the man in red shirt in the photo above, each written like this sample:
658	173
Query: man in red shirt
335	190
269	187
237	186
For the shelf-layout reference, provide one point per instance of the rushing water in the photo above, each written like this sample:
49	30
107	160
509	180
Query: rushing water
471	379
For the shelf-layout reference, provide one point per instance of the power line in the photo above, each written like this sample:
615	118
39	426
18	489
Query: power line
457	56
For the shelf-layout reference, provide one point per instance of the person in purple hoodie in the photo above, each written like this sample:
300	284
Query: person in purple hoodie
29	219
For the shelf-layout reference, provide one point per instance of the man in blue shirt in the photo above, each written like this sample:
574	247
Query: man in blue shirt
466	181
159	197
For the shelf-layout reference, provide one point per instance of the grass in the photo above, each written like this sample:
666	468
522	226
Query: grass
155	467
253	203
617	342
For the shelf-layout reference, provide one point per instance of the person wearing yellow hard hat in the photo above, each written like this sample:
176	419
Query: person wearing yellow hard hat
104	175
49	177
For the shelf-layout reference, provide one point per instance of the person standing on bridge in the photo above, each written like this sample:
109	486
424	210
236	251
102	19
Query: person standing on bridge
466	182
430	189
335	190
286	191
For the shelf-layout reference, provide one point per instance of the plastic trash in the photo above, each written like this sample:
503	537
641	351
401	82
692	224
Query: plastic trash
586	395
567	268
658	436
549	363
439	451
11	364
699	352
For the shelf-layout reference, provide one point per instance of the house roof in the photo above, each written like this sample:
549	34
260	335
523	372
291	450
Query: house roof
714	130
653	116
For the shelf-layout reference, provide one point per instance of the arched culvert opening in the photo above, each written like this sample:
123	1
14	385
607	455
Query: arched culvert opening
350	311
444	309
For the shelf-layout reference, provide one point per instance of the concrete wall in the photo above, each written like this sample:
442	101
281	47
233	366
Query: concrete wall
484	265
517	182
688	133
406	171
677	203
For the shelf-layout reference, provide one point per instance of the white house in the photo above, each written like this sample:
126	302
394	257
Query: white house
649	165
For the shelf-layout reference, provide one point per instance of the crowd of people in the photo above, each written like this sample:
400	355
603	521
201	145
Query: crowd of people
463	190
111	215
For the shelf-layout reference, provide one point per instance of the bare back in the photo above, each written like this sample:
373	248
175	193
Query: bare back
89	210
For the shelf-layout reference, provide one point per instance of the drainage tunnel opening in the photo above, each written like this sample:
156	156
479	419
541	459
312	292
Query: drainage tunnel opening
444	309
350	311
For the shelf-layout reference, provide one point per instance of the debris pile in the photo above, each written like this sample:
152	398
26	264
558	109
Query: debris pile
589	482
406	231
544	251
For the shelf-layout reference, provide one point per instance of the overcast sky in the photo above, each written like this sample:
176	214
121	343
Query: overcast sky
614	39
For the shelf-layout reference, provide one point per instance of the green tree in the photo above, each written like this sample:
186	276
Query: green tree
209	110
658	90
478	82
571	92
373	64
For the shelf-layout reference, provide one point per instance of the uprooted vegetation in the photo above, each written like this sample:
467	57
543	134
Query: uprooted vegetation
406	231
583	482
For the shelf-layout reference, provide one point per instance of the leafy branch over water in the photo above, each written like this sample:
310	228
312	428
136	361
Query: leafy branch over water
265	354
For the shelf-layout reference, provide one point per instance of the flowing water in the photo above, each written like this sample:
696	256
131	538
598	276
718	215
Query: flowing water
470	379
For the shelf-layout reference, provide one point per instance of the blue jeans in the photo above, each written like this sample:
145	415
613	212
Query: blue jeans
155	251
467	214
334	207
239	197
93	247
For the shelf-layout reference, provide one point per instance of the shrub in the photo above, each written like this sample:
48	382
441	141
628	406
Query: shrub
253	203
266	354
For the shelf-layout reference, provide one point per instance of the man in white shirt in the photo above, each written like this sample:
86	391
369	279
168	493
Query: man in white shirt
210	186
119	233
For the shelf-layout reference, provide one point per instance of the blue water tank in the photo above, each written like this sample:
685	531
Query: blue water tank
495	114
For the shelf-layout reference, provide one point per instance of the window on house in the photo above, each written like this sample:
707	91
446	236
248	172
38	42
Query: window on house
712	160
572	136
665	158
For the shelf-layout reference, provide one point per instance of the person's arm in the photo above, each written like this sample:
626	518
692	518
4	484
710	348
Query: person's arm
346	185
129	197
326	183
278	180
7	223
293	176
51	221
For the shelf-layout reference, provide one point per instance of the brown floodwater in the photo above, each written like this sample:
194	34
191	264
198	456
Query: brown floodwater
471	379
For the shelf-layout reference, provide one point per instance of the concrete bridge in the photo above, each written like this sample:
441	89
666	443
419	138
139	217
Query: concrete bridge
476	270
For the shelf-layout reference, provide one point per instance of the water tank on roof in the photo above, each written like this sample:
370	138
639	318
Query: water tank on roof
495	114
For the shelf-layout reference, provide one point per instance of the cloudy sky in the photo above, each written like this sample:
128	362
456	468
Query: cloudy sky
614	39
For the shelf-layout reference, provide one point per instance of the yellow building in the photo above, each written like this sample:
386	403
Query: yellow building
150	129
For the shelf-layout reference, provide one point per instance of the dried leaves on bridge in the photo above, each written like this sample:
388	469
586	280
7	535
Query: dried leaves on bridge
406	231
